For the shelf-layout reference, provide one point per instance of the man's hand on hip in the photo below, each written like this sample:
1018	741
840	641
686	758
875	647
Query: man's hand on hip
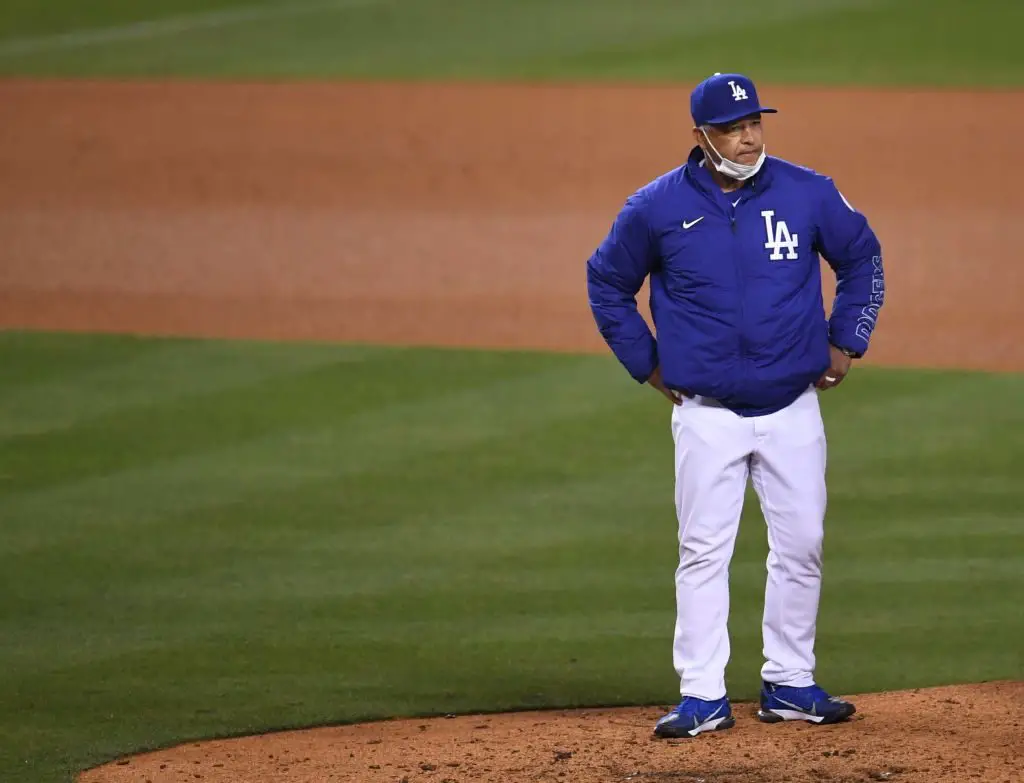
655	380
838	370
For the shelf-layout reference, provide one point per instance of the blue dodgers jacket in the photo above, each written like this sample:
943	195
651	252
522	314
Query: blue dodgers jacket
735	283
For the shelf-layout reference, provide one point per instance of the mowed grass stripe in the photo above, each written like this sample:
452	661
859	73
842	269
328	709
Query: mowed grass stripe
31	19
232	567
249	417
801	41
40	359
913	42
410	39
326	428
53	390
531	38
155	20
933	412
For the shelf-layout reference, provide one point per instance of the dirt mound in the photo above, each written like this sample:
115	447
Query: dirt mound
936	735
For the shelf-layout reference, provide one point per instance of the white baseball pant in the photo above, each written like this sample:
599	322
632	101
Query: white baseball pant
784	456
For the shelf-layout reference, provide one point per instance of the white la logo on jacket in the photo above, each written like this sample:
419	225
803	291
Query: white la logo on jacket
779	238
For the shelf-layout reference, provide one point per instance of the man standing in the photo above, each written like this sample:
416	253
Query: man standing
731	243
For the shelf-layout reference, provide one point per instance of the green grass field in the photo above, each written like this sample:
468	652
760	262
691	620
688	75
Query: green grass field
936	42
204	538
209	538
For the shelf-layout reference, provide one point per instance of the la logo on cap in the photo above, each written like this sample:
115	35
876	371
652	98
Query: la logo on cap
724	98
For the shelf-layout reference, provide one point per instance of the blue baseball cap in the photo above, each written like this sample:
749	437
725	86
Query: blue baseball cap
725	98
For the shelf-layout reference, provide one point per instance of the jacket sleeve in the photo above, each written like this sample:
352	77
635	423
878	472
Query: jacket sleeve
615	273
849	245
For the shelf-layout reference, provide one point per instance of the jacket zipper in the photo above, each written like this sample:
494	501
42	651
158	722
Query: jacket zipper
741	287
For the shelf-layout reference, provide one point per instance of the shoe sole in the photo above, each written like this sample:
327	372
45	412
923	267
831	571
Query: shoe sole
779	716
712	725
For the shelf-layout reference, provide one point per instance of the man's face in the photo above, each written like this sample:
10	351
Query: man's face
740	141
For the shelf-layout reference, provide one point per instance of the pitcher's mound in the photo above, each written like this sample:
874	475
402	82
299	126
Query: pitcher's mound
935	735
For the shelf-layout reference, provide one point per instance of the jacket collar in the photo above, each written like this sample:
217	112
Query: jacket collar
697	171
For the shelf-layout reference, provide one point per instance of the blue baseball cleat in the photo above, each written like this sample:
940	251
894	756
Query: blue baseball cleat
812	704
694	716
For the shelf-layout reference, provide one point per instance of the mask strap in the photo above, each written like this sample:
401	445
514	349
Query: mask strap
708	140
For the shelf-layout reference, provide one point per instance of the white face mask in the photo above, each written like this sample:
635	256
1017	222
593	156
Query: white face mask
740	171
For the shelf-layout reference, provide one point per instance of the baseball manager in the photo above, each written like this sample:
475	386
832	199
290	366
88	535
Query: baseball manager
731	243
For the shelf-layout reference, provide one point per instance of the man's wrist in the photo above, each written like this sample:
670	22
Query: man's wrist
847	351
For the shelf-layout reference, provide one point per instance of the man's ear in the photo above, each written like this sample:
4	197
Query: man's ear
703	143
698	139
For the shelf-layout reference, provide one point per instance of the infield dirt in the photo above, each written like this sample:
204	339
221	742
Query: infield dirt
459	214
